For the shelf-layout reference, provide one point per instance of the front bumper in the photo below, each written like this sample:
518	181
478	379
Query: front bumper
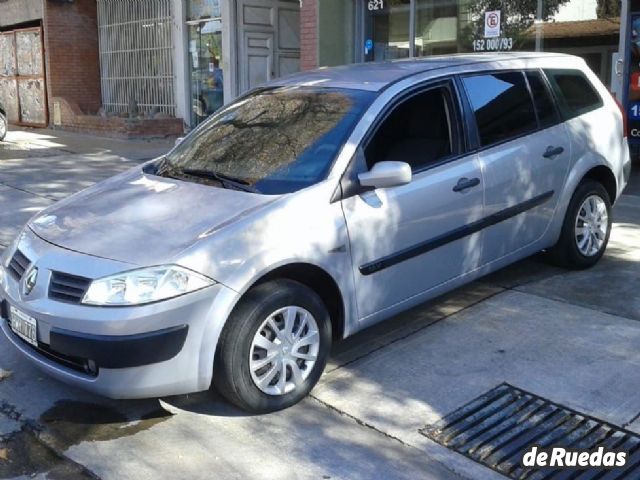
160	349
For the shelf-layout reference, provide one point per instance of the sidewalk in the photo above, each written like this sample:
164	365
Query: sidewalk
22	142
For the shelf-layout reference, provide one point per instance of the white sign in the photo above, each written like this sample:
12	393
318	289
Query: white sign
492	24
375	5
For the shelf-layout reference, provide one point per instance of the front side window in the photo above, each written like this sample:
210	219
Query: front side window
502	106
575	93
273	141
418	131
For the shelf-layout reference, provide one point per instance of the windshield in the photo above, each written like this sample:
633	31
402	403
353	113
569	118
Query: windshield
273	141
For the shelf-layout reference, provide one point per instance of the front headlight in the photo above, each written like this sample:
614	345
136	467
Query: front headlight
144	286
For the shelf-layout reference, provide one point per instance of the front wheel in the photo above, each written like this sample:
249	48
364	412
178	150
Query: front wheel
586	228
273	348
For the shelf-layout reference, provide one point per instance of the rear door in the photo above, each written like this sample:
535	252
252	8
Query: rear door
525	152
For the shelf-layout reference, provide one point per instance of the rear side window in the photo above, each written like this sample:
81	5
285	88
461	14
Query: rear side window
502	106
547	113
574	92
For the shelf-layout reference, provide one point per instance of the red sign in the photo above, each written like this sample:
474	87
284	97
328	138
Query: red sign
493	20
634	82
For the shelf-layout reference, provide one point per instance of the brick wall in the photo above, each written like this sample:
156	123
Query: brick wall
309	35
71	45
72	118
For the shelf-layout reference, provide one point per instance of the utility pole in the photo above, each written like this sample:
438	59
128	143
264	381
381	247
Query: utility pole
538	24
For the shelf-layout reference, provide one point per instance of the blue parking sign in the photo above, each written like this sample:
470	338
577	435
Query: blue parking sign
368	46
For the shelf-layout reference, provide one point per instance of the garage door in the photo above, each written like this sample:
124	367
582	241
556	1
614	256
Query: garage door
22	83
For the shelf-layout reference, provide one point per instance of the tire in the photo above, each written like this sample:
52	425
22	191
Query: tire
238	355
3	126
568	252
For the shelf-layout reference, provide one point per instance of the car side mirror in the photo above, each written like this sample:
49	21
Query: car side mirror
179	141
386	174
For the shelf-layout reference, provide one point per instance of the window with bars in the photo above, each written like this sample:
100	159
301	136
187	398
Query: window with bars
136	55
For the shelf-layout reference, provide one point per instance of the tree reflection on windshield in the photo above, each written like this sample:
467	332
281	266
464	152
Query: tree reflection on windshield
278	140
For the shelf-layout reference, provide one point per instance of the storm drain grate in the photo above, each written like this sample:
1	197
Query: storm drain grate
497	428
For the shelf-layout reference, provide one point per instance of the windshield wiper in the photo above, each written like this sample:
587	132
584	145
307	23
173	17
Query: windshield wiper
227	181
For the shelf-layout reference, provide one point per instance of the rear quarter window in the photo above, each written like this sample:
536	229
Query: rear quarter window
575	93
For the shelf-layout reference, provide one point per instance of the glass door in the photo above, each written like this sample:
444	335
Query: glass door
205	59
387	30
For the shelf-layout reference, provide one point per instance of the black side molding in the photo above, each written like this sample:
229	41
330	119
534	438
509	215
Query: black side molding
452	236
115	351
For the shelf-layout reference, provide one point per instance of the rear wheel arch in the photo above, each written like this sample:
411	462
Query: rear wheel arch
603	175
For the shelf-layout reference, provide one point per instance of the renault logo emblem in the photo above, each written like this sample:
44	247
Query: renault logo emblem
30	281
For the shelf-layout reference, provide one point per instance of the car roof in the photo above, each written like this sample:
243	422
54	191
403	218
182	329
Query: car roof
375	76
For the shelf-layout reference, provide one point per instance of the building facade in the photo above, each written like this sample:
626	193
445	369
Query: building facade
34	41
139	67
156	67
376	30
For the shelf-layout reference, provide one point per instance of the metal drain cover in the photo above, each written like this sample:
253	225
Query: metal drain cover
497	428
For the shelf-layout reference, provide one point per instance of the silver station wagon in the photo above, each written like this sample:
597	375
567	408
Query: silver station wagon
310	209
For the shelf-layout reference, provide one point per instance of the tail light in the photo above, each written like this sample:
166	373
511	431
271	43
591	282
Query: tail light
624	116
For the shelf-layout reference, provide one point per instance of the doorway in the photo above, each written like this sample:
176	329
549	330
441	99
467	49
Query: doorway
268	38
22	83
205	59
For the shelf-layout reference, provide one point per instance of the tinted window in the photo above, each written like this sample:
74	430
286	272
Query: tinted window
273	141
547	114
575	93
502	105
417	131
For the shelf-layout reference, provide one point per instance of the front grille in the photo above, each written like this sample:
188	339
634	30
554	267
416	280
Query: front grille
68	288
18	265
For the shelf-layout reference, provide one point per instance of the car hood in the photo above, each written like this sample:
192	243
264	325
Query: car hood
142	219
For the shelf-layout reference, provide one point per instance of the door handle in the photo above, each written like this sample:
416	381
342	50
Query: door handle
552	152
466	183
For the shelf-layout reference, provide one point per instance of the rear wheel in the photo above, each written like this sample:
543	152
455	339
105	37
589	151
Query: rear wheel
3	126
274	347
586	228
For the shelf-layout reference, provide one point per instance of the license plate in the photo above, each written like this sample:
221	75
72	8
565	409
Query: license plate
25	326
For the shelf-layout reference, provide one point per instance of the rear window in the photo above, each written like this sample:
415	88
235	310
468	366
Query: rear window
575	93
502	106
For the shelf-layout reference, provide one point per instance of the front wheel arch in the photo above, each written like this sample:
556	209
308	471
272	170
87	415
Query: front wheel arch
318	280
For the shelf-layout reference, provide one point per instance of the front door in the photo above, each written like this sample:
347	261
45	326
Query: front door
408	239
268	37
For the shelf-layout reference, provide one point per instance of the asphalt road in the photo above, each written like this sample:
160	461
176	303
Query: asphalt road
571	337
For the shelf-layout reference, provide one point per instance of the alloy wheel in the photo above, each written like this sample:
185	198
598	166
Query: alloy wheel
591	226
